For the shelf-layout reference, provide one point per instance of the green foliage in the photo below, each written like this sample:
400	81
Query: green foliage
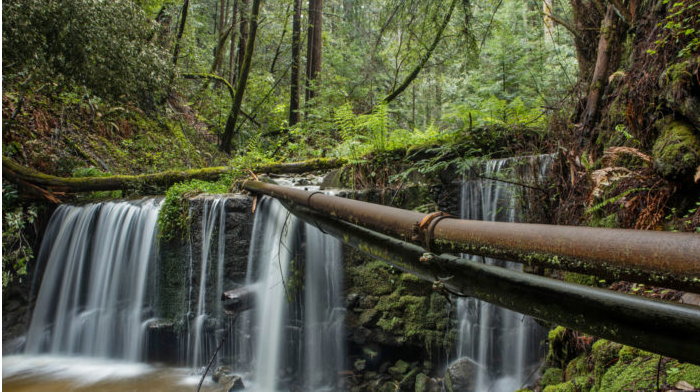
104	46
680	28
174	213
16	250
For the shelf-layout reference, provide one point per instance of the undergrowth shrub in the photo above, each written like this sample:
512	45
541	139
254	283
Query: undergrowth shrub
105	46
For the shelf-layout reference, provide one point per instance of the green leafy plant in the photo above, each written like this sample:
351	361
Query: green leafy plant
174	213
681	26
16	250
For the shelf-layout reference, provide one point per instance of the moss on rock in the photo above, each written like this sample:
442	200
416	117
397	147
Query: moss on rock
551	376
677	150
579	384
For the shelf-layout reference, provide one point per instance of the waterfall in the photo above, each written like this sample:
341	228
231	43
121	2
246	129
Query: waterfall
324	311
96	294
504	345
203	344
280	333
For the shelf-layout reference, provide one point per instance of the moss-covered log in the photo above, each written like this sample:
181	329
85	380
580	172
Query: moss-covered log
16	173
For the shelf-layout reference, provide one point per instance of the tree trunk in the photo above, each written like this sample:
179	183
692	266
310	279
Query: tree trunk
232	53
296	65
180	31
223	31
391	96
313	48
225	82
547	21
278	49
600	72
16	173
243	39
227	137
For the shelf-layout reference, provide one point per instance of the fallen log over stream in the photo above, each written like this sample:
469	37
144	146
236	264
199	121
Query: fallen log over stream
665	259
25	176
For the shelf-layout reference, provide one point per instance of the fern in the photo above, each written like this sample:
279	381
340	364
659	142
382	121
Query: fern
613	199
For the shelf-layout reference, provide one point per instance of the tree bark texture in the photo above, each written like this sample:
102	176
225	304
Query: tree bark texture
314	48
296	65
243	39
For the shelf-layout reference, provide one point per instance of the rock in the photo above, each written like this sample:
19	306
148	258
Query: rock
360	365
231	382
409	380
460	375
426	384
14	346
351	300
221	371
676	152
691	298
399	369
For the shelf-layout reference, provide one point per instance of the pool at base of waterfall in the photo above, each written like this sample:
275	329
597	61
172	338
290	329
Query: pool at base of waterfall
59	373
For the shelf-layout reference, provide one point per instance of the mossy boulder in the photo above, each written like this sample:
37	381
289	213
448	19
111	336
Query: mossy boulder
551	376
677	150
399	369
578	384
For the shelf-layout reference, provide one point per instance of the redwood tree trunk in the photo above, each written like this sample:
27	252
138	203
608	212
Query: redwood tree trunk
313	49
296	65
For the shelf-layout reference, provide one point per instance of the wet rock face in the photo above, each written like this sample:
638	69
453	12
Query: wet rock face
16	316
394	322
180	265
460	375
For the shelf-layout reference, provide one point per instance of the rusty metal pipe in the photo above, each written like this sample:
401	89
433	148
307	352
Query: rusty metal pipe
662	327
656	258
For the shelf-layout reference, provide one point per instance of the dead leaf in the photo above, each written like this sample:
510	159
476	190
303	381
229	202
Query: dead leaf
697	175
684	386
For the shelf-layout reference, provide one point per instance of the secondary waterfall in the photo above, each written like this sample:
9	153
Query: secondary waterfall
96	293
283	340
504	345
201	345
324	311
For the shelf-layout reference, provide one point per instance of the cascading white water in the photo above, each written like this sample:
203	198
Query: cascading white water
503	344
95	295
202	344
271	250
267	340
324	313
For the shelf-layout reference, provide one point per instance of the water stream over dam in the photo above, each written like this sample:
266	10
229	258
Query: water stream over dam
102	294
